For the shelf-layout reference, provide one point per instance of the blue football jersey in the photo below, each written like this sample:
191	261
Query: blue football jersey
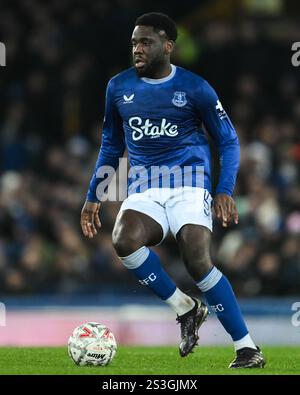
161	121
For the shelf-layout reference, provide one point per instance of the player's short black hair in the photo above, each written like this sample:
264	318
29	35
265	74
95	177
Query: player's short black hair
159	21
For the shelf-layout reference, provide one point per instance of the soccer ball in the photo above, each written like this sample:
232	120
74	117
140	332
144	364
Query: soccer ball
92	344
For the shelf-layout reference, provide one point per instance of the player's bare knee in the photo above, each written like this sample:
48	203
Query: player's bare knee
125	242
201	267
195	248
196	271
198	261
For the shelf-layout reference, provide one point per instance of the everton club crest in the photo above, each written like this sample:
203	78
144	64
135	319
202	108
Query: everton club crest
179	99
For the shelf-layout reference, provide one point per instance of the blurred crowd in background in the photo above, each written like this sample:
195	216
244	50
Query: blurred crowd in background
60	56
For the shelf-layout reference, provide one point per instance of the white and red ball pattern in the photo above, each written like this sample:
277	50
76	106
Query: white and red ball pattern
92	344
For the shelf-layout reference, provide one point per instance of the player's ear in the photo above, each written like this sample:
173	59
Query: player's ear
169	46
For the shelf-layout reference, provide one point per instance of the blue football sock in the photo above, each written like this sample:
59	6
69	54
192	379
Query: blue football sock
146	266
219	295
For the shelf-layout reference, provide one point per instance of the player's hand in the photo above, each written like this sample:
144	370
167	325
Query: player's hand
89	219
225	209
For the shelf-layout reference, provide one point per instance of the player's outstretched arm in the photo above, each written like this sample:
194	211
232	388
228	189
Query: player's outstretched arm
225	209
89	219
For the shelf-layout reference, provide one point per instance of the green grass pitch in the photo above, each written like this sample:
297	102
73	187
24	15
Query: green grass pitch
145	360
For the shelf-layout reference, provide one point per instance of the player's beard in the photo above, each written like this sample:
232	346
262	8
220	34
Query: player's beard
150	69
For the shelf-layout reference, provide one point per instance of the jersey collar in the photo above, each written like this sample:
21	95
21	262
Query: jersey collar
161	80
